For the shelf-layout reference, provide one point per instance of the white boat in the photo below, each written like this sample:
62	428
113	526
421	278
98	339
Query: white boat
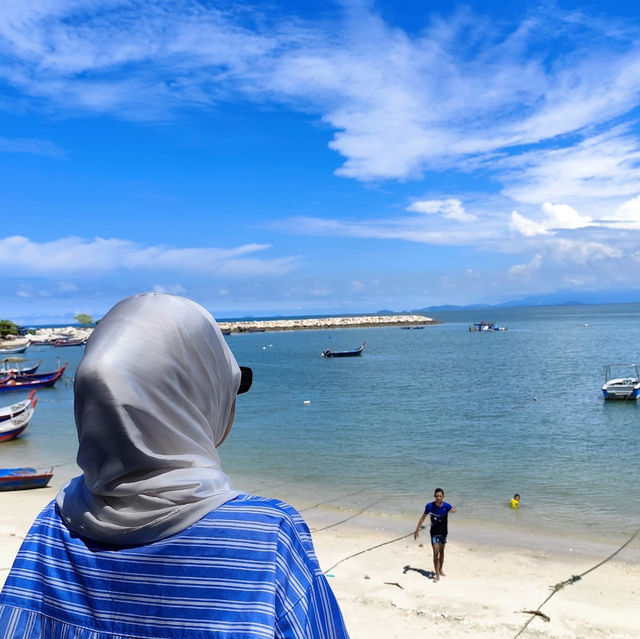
621	381
482	327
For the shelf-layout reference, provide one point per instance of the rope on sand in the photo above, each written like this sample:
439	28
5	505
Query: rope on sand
361	552
566	582
328	501
315	530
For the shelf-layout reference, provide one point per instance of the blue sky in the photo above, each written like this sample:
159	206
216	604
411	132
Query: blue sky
301	157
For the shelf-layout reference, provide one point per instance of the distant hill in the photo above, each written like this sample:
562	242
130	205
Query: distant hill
560	298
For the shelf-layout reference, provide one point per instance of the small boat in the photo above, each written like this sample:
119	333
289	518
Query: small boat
26	382
15	425
481	327
353	353
621	381
5	369
15	350
9	412
78	341
23	478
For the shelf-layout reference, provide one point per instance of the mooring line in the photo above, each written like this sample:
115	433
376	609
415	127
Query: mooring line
361	552
571	580
328	501
337	523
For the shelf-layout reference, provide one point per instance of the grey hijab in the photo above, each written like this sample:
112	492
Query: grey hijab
154	396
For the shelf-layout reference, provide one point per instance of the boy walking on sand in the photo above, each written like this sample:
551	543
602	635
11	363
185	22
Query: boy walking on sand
439	511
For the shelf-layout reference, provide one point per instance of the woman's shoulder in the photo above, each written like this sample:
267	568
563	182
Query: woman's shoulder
260	507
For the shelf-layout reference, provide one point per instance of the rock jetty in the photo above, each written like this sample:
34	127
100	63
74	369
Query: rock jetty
359	321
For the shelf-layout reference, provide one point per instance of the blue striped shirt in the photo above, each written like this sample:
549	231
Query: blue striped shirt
247	570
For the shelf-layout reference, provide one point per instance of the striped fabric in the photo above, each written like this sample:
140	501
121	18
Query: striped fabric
245	571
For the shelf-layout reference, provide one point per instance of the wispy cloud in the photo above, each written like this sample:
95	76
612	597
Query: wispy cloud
32	146
454	94
81	257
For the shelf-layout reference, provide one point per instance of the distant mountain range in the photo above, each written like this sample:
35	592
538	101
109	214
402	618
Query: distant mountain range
560	298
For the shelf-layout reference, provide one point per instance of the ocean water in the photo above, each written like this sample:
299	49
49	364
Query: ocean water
483	415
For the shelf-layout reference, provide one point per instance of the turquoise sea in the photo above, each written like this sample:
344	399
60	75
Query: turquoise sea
483	415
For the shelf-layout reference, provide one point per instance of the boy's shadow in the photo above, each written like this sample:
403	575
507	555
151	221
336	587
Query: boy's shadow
429	574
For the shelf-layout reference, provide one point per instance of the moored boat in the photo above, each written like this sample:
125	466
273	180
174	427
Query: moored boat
356	351
16	363
16	349
24	478
482	327
15	425
27	382
78	341
621	381
9	412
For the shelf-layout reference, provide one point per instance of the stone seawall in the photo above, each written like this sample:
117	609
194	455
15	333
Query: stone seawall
248	326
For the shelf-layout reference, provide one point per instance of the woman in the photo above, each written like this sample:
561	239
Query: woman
152	540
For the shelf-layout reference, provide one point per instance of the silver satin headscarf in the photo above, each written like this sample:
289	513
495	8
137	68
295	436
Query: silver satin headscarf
154	396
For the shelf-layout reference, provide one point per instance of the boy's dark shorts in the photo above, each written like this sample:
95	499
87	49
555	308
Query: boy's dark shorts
438	539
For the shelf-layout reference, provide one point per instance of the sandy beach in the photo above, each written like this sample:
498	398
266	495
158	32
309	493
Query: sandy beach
389	592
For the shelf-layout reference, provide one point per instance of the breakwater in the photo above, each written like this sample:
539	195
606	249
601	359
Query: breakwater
359	321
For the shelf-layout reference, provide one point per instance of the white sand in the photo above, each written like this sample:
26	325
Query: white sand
388	592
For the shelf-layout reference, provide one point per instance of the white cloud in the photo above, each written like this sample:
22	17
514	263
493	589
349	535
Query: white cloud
626	216
525	226
585	171
74	255
450	209
28	145
562	216
555	217
527	269
452	93
172	289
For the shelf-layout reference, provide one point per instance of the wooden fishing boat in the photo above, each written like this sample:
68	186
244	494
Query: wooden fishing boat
23	478
357	351
8	412
16	349
11	428
79	341
14	363
27	382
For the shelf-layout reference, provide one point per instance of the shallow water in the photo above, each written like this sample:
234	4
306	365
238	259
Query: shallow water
482	415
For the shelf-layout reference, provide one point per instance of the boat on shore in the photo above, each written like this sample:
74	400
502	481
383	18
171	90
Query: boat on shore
15	382
23	478
356	351
621	381
484	327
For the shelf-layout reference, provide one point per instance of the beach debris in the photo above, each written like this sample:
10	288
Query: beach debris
367	577
545	618
394	583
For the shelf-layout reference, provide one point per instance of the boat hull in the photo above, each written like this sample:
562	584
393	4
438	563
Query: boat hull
27	382
623	392
23	478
